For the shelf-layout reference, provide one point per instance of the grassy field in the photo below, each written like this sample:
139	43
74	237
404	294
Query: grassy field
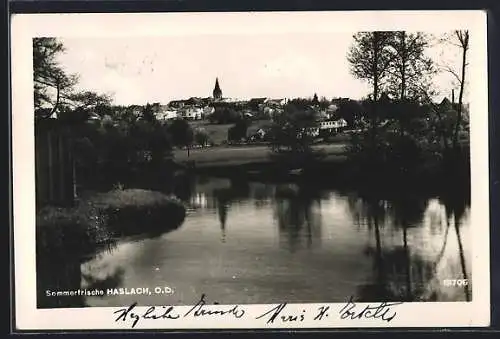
222	154
218	133
227	155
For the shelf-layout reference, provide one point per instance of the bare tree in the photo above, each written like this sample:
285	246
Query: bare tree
460	39
463	43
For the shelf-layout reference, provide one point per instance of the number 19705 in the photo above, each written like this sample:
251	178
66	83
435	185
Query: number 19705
455	282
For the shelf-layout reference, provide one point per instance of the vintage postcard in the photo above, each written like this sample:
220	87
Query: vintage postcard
250	170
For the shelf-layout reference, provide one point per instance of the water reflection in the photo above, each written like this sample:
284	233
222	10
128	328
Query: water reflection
407	267
184	186
221	194
58	272
222	208
298	216
253	242
102	278
63	276
456	208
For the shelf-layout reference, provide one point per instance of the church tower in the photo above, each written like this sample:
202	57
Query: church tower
217	93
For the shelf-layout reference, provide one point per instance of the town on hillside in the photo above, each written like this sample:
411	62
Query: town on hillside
330	116
216	116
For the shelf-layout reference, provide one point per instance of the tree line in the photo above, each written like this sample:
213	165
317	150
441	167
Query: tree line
405	127
395	63
106	139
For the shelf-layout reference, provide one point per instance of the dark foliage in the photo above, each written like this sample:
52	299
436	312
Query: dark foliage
239	131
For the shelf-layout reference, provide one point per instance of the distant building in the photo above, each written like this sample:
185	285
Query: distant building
256	103
177	103
193	101
206	101
334	125
446	103
192	113
233	100
327	126
136	110
273	103
332	108
165	113
217	92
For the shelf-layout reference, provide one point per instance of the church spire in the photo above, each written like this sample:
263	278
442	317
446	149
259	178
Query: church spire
217	93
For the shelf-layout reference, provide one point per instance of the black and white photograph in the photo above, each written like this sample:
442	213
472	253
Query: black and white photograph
225	165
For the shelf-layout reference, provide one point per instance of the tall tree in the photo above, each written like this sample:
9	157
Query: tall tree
411	70
148	114
370	59
49	76
181	133
462	41
410	73
54	88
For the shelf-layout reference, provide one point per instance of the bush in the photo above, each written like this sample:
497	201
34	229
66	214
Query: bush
96	222
224	115
201	136
134	211
182	133
239	131
366	156
80	230
388	156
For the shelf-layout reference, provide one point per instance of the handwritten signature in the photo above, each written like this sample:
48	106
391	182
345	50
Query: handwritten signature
169	312
279	313
382	311
153	312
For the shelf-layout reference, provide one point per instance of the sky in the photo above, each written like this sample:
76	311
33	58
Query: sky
137	70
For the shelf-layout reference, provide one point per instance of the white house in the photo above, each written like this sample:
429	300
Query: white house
333	124
193	113
166	113
329	125
312	131
170	115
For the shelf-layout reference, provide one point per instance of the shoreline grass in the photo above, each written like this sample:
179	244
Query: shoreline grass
133	211
100	219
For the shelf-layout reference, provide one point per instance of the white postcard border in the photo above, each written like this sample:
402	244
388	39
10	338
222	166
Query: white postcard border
26	26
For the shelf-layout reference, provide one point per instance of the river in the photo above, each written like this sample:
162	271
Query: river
250	242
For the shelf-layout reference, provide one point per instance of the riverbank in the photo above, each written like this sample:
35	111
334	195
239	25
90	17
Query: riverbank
328	164
227	156
99	219
67	237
